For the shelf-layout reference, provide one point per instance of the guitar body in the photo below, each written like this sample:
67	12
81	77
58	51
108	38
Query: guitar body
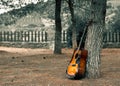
77	65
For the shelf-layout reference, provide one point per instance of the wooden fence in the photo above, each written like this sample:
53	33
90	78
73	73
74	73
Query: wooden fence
42	36
23	36
28	36
112	37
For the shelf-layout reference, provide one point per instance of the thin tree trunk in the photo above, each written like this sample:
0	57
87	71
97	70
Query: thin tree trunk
58	29
94	38
74	42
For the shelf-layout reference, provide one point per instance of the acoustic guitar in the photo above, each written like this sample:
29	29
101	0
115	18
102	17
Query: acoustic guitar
76	67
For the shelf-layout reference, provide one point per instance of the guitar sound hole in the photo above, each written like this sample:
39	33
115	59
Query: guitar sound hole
73	64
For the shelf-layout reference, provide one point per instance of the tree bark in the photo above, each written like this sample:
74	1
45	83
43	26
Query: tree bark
58	29
74	39
94	38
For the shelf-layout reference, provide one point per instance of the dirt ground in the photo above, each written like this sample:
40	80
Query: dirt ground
40	67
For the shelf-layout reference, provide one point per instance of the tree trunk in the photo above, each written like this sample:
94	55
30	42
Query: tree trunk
74	39
58	29
94	38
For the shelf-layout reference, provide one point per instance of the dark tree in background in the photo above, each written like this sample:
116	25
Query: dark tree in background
58	29
73	26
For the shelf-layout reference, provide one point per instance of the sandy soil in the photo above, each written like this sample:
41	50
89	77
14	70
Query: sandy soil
40	67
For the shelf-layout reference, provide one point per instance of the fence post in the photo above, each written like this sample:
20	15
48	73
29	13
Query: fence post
115	36
10	35
110	36
0	36
119	37
32	36
4	37
18	36
45	36
24	36
38	36
35	36
28	36
42	36
7	33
